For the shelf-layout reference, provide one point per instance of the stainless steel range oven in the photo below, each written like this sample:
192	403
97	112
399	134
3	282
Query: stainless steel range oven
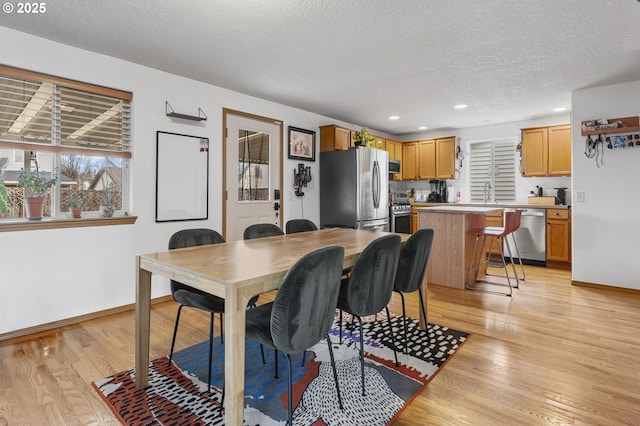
400	216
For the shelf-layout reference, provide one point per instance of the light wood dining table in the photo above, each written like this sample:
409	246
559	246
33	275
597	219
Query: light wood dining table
235	271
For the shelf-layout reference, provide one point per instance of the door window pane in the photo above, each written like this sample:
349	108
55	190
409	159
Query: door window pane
253	165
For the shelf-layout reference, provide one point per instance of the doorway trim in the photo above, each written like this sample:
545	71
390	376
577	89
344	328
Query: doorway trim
279	123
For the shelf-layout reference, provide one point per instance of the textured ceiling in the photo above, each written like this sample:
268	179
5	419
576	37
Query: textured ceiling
362	61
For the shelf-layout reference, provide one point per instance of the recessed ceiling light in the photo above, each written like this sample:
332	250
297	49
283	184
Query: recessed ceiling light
422	128
394	117
461	106
559	109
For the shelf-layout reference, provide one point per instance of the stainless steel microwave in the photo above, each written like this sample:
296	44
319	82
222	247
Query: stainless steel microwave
394	166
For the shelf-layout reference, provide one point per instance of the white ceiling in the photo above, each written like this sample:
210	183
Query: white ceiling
362	61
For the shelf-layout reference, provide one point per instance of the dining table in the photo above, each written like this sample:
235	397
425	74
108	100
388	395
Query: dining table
234	271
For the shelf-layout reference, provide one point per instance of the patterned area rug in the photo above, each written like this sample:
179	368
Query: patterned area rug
177	391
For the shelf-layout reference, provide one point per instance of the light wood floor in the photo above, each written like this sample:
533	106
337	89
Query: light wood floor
552	354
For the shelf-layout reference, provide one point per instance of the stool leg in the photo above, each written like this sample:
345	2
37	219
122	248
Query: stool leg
504	264
515	245
513	265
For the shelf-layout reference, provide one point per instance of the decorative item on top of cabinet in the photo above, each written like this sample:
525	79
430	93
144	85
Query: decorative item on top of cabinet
558	237
546	151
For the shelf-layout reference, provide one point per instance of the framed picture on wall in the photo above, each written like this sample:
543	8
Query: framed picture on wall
302	144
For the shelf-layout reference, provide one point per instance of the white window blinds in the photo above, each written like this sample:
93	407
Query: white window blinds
61	115
492	172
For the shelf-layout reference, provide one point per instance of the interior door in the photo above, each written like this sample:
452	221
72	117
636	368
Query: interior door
253	172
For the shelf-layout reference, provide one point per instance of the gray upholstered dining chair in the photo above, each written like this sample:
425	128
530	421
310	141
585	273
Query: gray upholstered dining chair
303	310
260	230
192	297
412	265
369	287
300	225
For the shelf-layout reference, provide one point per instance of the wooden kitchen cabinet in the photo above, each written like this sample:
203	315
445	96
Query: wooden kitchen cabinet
559	235
409	156
414	220
546	151
335	138
560	150
446	158
430	159
394	149
427	159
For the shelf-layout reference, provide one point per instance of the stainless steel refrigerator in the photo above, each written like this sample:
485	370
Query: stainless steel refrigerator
354	188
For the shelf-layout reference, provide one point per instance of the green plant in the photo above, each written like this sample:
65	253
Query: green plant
4	197
363	137
74	204
34	182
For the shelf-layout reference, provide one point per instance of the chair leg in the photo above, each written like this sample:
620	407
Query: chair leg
361	355
275	359
210	352
289	390
304	356
404	323
262	353
335	373
221	329
340	324
515	246
175	332
424	311
393	340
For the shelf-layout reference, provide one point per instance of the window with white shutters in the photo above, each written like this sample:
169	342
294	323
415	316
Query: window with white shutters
492	171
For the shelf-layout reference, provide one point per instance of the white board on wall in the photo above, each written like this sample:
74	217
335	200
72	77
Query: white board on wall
182	177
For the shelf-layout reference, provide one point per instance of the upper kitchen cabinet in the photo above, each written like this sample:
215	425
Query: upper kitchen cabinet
546	151
334	138
429	159
394	149
409	160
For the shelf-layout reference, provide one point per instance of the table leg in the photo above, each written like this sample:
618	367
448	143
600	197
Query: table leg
143	319
235	307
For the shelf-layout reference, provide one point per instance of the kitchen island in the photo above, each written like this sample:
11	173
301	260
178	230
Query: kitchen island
453	241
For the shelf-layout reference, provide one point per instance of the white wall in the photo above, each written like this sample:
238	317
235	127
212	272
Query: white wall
606	229
49	275
510	130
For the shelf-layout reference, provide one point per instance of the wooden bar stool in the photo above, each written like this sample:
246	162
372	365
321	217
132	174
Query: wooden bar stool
511	222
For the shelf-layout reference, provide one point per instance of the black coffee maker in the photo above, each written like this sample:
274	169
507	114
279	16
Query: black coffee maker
561	196
438	191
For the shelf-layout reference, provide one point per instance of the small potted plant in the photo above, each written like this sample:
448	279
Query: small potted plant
363	137
35	184
75	208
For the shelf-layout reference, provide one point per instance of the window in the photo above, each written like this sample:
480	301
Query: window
492	171
75	131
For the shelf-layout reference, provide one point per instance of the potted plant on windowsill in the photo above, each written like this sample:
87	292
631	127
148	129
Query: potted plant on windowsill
35	184
76	209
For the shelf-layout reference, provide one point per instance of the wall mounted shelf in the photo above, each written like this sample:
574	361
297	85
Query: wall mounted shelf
171	113
625	125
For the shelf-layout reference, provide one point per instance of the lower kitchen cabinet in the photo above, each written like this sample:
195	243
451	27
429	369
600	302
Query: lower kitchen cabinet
414	220
559	235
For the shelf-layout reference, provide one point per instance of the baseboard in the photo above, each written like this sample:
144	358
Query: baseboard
74	320
605	287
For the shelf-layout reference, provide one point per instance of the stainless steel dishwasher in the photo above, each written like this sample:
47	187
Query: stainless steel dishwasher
531	238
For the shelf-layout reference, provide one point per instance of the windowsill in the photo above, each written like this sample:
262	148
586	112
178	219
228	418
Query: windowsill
60	223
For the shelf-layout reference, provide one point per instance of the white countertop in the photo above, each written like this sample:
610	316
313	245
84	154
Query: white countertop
460	209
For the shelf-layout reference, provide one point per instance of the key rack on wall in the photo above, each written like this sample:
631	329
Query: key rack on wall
612	125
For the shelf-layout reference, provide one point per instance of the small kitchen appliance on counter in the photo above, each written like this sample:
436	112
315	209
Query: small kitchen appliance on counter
438	191
561	196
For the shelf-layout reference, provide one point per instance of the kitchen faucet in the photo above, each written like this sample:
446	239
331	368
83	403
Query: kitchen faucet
487	192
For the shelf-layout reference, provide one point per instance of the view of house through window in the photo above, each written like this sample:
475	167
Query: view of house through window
73	132
253	165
